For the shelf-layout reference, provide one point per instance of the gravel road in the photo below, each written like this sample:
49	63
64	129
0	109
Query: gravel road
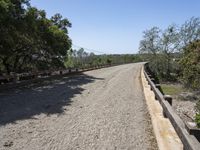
99	109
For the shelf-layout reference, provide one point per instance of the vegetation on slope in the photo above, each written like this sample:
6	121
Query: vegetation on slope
174	55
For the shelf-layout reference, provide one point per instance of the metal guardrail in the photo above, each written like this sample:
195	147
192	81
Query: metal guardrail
189	141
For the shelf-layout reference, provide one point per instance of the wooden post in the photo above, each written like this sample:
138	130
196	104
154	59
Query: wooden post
168	98
164	114
158	87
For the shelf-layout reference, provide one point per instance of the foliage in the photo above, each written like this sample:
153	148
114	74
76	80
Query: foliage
198	107
149	47
29	41
163	49
189	32
197	120
82	59
174	54
168	47
197	116
190	63
150	42
158	47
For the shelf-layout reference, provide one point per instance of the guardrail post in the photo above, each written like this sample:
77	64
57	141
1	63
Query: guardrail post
168	98
153	80
164	114
157	86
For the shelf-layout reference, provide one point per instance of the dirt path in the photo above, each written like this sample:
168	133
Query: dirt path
100	109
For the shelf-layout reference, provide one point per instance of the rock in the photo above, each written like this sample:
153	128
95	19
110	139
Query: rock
192	124
8	144
188	96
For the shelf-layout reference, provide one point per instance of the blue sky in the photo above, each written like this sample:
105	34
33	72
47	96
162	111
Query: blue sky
116	26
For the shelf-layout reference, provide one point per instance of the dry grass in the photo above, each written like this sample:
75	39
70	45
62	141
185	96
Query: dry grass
172	89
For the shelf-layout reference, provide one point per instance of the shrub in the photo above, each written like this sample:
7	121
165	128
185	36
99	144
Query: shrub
197	120
190	63
197	116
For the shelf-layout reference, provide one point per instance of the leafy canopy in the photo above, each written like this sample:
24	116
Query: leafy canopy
29	41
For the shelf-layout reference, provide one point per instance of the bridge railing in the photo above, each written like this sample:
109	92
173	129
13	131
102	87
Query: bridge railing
17	77
189	141
15	80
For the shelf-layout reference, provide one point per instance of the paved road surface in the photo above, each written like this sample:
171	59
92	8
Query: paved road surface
100	109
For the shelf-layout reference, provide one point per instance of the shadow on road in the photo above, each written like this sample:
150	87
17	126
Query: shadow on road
48	97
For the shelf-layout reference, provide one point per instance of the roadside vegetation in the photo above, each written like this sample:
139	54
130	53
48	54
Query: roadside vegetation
82	59
197	117
31	42
174	56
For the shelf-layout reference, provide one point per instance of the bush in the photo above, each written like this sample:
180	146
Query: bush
197	116
197	120
164	71
190	63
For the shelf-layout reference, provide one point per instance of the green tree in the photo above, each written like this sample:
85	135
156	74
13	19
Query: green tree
189	32
11	18
168	48
190	63
150	47
29	40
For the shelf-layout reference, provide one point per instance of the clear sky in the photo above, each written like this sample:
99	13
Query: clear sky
116	26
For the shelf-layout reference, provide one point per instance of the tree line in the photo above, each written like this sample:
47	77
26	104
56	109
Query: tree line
82	59
174	53
31	42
